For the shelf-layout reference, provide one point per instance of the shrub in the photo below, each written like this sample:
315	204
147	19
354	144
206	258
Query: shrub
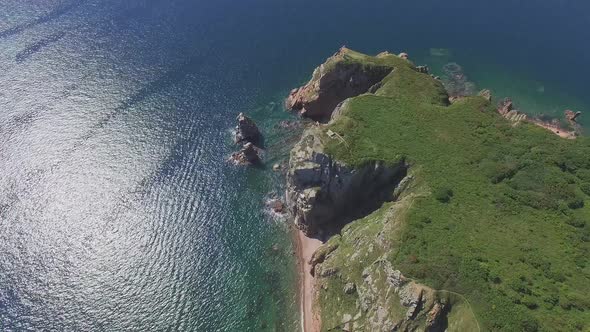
443	194
530	325
426	220
576	202
576	222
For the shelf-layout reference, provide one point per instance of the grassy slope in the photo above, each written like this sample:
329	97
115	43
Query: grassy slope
505	221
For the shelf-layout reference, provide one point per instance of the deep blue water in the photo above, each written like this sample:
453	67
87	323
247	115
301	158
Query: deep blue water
117	209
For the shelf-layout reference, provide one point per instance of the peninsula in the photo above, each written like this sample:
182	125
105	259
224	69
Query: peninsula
435	213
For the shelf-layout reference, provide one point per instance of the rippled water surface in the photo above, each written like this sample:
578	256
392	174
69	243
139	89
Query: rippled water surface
117	209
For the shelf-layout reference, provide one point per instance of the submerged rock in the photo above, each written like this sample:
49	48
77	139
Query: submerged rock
456	82
276	206
247	131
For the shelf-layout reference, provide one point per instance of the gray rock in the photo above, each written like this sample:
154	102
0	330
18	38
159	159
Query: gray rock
410	296
349	288
320	190
325	272
247	131
423	69
248	155
487	94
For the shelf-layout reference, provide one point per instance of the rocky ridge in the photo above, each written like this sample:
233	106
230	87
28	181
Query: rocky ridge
323	194
340	77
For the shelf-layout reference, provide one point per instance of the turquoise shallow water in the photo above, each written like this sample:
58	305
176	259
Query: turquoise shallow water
117	209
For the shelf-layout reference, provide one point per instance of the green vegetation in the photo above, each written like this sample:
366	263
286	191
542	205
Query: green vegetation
504	210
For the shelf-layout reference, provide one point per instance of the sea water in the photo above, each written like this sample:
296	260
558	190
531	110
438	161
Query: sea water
118	210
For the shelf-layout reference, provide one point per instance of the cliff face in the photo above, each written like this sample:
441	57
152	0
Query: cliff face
360	290
323	194
340	77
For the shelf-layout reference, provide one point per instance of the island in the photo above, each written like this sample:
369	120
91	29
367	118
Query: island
421	211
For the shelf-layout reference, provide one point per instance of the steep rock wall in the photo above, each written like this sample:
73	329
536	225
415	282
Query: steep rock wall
340	77
323	194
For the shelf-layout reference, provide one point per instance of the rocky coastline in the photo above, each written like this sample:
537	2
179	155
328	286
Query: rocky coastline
323	194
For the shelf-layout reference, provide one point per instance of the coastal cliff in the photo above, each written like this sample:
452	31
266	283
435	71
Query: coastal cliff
440	216
343	75
323	193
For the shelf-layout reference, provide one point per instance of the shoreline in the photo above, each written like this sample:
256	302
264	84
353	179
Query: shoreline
305	248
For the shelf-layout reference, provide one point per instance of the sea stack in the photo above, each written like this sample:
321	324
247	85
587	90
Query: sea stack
247	134
248	155
247	131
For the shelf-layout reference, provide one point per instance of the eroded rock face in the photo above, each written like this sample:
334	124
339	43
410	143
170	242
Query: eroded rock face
247	131
321	192
421	303
333	82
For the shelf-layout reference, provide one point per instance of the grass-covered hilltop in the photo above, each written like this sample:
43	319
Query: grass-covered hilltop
463	219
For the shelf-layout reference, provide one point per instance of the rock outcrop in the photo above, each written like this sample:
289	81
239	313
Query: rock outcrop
486	94
423	69
571	116
506	109
323	193
383	299
247	131
248	135
248	155
340	77
504	106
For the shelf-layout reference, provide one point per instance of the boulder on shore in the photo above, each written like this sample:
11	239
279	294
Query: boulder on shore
247	131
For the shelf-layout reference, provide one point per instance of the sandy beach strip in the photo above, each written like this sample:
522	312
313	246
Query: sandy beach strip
305	248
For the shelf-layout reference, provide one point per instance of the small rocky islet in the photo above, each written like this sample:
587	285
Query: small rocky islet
440	210
248	135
